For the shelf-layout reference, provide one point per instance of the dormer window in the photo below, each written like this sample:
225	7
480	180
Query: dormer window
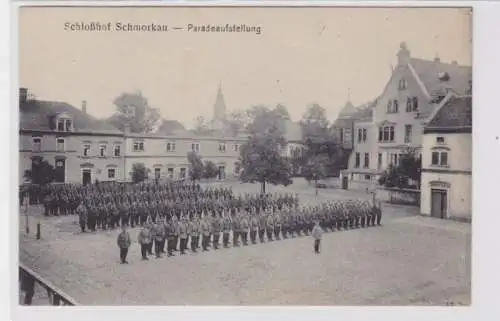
402	85
64	123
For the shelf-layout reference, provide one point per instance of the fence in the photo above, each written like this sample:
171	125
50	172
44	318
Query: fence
399	196
28	278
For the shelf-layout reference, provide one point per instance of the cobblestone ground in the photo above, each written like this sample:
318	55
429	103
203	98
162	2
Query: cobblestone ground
411	260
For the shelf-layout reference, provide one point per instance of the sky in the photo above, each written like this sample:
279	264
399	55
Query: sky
302	55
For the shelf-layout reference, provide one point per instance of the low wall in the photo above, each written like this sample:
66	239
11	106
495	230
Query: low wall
399	196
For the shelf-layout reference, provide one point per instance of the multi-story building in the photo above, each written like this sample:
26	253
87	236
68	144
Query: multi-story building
446	185
399	114
81	147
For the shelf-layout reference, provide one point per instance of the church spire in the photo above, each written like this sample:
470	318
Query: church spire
220	105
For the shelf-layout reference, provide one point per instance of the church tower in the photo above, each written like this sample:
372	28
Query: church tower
219	119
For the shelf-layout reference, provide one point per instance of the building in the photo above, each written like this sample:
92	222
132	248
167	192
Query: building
412	94
81	148
446	185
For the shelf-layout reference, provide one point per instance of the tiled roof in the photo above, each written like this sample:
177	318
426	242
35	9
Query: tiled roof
439	78
35	114
455	113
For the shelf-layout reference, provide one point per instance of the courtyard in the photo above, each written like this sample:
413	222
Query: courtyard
410	260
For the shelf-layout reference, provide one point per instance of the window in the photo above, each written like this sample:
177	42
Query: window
195	147
379	160
60	144
367	160
440	140
236	147
360	135
64	125
392	106
183	173
402	84
440	158
365	132
222	147
170	172
414	103
116	151
357	161
367	177
157	173
138	146
102	150
37	144
408	104
111	173
341	134
170	147
86	150
444	158
408	132
386	134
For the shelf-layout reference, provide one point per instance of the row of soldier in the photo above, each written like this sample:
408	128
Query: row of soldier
252	225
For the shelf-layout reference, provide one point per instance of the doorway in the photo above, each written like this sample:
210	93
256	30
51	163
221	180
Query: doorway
222	172
439	202
60	170
86	177
345	182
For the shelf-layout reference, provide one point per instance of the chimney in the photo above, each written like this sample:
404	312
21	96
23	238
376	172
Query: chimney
84	106
403	54
23	95
437	59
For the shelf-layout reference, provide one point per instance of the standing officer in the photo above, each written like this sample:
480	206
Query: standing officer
195	233
317	232
205	230
277	225
262	227
244	228
183	234
226	229
378	214
270	226
144	238
159	237
171	237
236	229
216	229
82	215
123	242
254	227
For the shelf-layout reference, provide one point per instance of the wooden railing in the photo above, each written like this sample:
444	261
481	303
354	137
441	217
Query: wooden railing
28	280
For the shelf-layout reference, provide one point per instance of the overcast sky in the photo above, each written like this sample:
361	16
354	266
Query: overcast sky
302	56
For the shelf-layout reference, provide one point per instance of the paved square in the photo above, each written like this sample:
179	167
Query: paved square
410	260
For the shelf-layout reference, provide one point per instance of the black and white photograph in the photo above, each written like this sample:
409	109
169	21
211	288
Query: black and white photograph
244	156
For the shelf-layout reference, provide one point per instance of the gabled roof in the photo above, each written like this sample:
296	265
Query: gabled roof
35	115
454	114
438	78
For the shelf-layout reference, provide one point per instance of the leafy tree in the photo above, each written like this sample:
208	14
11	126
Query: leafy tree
408	168
210	170
196	168
261	161
133	109
41	173
139	172
201	125
315	169
282	111
315	121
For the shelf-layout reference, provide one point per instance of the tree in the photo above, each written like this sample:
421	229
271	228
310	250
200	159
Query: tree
315	117
196	168
260	160
201	125
408	168
210	170
315	169
282	111
133	109
139	172
41	173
